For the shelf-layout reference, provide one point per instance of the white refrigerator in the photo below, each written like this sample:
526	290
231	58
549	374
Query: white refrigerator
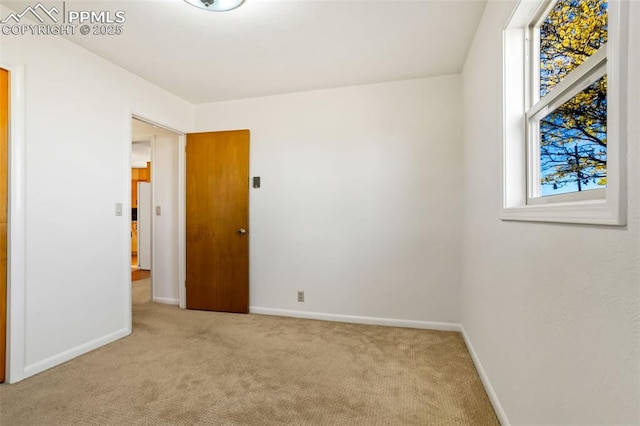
144	225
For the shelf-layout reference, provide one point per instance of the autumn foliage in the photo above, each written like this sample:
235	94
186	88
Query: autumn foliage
573	143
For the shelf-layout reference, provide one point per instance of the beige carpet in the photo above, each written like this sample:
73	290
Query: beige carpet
189	367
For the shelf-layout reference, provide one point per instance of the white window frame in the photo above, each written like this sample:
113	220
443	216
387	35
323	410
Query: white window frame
522	107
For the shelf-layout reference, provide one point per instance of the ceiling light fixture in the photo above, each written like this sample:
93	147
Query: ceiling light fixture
215	5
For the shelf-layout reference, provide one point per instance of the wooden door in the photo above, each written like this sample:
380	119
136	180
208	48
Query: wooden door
217	221
4	167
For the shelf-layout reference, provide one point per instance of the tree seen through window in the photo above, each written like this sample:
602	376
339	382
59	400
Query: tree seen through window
573	137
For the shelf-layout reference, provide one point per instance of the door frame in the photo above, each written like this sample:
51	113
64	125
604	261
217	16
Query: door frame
182	273
16	235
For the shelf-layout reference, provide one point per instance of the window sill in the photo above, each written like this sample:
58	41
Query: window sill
597	212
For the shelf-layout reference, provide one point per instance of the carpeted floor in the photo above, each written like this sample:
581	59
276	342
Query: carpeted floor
190	367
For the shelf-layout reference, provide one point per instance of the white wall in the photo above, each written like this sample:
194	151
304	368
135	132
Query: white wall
165	195
140	154
551	309
360	200
78	126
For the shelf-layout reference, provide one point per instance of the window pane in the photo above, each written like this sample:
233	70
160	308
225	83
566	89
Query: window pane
573	31
573	143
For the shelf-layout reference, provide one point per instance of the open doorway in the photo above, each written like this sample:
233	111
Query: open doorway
142	137
140	192
140	209
155	213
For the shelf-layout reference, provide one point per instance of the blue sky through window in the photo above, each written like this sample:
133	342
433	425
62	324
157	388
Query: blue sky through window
573	137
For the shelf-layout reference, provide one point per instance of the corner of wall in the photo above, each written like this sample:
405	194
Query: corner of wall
491	393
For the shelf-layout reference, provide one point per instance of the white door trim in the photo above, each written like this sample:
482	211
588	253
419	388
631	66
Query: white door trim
152	201
127	148
182	227
16	235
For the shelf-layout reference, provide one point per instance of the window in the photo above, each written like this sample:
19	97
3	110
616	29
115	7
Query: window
565	112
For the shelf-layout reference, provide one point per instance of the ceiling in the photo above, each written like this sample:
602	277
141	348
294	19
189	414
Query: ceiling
269	47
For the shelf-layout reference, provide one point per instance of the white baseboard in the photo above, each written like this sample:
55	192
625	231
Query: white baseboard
493	397
65	356
166	301
427	325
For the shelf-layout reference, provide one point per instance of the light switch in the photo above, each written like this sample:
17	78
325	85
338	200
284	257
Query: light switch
157	210
118	209
256	181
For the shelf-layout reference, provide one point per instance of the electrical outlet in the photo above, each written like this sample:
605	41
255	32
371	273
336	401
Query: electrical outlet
301	296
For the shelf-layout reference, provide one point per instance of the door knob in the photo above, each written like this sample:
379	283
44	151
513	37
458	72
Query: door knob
242	231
